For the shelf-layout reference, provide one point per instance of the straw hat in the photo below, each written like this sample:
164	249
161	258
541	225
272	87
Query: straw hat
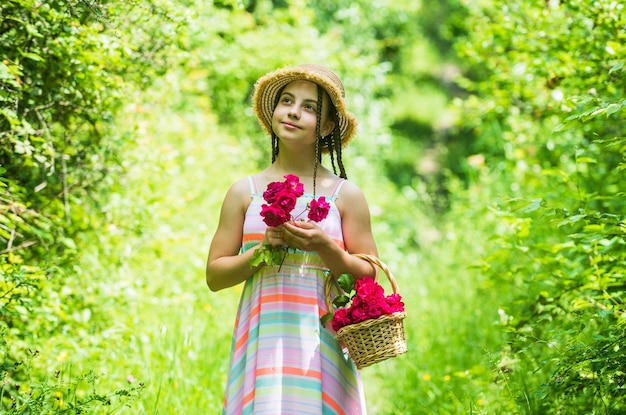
268	87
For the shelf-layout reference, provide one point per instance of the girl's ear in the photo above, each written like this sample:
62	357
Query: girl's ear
328	128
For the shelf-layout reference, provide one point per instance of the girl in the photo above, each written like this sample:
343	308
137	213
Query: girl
283	361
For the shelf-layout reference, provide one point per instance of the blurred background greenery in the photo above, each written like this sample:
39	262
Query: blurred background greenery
491	150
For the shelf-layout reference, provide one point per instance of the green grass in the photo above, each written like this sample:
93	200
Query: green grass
450	331
180	330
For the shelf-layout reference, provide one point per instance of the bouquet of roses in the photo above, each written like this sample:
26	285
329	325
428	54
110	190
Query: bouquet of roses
281	198
362	300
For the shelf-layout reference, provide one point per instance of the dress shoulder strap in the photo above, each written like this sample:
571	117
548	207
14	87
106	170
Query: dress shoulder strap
253	185
338	187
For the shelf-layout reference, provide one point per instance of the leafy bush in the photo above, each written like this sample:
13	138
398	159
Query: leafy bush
63	76
65	71
545	113
31	307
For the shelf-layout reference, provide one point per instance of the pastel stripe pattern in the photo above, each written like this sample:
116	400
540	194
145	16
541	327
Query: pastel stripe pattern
283	361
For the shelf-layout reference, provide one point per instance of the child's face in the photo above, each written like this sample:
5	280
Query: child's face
295	116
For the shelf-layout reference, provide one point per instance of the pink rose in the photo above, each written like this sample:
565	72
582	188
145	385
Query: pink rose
359	314
394	301
293	182
273	215
368	303
340	319
368	290
272	189
286	200
373	310
378	307
319	209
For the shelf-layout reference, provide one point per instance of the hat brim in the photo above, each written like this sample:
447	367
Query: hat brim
268	87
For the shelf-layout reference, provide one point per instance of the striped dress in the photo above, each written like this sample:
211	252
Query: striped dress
282	360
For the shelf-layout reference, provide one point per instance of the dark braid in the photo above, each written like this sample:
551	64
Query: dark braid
337	142
274	136
328	145
332	143
318	122
274	146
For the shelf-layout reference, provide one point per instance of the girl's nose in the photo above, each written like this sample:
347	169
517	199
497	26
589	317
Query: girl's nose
294	112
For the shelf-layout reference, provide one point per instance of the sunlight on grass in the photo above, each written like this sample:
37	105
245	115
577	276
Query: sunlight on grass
448	335
186	330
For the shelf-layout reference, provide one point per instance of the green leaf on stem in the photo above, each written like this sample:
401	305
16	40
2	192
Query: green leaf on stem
341	300
268	255
326	318
346	282
262	255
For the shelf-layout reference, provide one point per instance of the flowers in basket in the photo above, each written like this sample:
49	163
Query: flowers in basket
368	324
281	198
363	299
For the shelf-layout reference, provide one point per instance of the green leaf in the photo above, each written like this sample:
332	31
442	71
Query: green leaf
613	108
326	318
604	313
32	56
616	67
262	255
276	256
341	300
346	282
257	258
560	127
572	219
533	205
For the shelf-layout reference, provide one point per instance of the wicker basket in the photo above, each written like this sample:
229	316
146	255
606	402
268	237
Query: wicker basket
375	340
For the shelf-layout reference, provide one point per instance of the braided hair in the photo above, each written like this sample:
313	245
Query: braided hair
330	143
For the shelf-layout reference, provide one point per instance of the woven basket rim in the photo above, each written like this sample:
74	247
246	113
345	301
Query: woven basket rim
345	330
374	340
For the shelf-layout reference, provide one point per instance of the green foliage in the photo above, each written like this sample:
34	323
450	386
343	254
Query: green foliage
60	395
65	70
29	310
268	255
63	76
545	113
346	283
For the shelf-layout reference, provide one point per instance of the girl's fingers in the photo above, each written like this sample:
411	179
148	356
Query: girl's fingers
274	236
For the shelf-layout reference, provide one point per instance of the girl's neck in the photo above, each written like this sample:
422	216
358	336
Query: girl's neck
299	162
298	167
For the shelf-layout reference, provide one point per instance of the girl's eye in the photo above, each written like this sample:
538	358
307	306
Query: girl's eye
310	107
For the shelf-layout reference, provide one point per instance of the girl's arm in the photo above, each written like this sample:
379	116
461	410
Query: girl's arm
225	266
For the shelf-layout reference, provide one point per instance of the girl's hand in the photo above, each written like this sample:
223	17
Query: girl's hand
273	236
305	236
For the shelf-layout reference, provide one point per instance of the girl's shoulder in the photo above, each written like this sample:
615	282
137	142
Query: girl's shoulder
350	196
241	185
240	191
350	189
352	204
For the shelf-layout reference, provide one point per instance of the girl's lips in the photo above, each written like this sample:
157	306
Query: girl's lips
290	126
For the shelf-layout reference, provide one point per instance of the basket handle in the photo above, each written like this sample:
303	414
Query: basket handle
372	260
